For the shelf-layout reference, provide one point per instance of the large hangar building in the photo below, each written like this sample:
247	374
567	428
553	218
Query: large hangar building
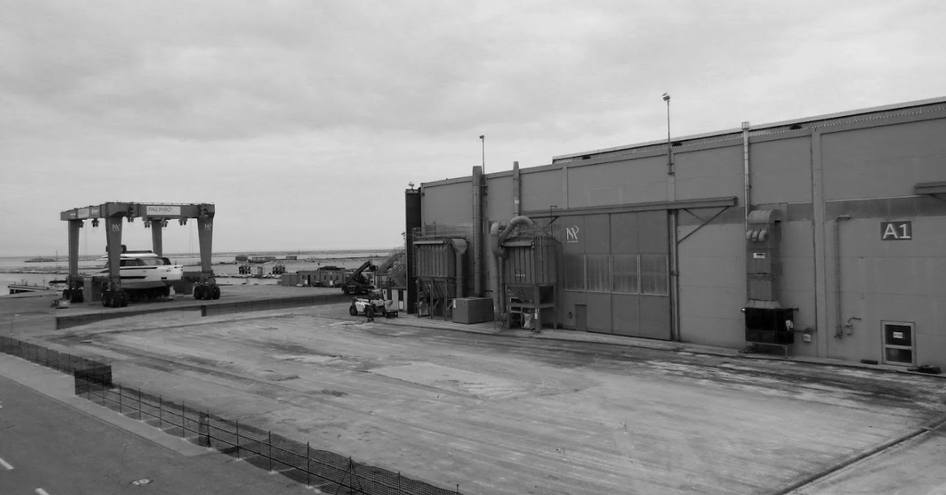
825	236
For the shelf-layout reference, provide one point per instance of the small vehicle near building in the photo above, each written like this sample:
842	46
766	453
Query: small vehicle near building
374	304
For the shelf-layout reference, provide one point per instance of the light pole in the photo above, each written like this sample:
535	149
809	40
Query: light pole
483	142
672	226
666	97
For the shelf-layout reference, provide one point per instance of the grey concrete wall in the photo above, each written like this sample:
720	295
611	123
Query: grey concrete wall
499	198
709	172
447	204
713	286
798	281
890	281
638	180
874	170
781	170
883	162
541	189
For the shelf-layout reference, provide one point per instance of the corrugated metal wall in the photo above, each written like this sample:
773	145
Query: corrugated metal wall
615	269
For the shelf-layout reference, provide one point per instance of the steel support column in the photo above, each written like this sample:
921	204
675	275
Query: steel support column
73	282
205	232
113	246
157	231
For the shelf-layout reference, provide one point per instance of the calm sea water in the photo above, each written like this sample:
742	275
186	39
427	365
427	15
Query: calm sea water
14	270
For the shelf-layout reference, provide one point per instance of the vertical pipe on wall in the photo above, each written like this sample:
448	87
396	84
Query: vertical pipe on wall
747	179
747	198
412	221
674	289
819	253
497	253
516	190
477	231
459	249
838	309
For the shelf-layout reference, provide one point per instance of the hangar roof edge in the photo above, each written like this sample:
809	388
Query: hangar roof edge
830	116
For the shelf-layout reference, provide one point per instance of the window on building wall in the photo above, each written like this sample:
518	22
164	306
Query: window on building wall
598	270
574	271
626	273
654	274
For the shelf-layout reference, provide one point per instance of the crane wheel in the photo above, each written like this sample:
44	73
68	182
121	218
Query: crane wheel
352	310
215	292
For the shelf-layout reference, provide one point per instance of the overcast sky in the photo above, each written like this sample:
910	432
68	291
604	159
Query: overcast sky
304	121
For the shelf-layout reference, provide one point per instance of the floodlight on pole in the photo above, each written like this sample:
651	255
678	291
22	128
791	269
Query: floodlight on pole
666	98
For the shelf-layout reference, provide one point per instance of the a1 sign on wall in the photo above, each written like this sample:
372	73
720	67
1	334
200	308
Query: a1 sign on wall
896	231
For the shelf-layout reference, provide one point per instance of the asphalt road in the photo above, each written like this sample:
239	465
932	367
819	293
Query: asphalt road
48	447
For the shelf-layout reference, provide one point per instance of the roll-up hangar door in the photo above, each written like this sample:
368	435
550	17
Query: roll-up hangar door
616	275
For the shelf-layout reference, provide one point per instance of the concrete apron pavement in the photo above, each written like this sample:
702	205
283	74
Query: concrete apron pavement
521	413
61	387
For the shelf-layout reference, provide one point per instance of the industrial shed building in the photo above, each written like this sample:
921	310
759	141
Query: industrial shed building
825	235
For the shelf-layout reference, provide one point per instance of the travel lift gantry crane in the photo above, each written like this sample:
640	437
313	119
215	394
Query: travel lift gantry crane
155	216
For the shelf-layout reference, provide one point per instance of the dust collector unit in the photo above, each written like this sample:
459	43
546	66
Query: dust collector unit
767	321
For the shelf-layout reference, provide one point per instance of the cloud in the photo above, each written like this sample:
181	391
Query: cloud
303	121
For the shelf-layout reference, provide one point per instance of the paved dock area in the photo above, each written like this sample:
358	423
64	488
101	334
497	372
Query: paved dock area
56	443
510	412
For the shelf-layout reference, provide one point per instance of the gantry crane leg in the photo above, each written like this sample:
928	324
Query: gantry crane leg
157	231
73	291
113	296
206	286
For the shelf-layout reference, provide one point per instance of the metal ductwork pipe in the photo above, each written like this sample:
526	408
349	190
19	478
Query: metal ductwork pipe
459	249
513	223
747	173
516	189
498	258
838	303
477	231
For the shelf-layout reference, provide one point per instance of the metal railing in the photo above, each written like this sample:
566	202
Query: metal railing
322	469
86	371
325	470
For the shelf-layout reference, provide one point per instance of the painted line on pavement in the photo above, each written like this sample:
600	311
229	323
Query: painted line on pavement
6	465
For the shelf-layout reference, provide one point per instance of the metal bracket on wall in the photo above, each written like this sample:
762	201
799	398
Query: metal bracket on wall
704	222
933	189
553	214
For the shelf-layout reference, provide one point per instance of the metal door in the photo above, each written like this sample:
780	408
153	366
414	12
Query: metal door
581	317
